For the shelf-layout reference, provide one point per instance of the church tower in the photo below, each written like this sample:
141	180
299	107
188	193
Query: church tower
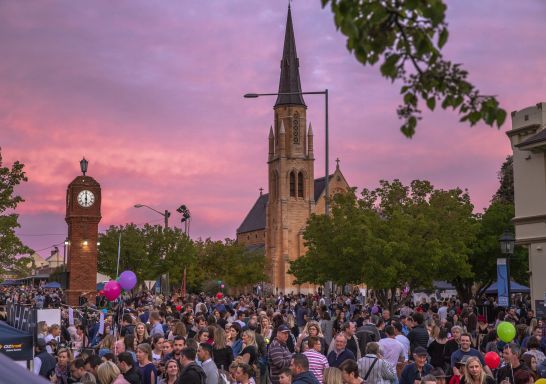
290	169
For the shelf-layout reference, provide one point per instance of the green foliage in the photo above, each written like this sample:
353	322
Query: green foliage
389	237
505	193
407	36
10	245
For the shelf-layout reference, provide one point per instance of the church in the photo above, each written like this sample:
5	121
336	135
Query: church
276	222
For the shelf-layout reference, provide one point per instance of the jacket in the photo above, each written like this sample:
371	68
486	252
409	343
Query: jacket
279	358
418	337
192	374
410	373
305	378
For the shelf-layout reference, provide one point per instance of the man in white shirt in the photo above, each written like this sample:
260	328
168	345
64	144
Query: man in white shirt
53	335
204	354
442	311
402	339
392	350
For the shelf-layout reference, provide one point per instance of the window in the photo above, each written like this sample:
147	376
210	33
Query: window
296	128
300	184
292	184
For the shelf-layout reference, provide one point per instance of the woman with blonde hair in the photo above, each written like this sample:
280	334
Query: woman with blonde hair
172	371
312	328
249	354
266	329
62	368
178	329
109	373
222	354
474	373
141	334
332	375
42	329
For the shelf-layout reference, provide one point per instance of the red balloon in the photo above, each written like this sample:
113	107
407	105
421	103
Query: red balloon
178	308
101	292
219	295
492	359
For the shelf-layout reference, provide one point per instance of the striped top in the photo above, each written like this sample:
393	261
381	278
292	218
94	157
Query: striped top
381	373
317	363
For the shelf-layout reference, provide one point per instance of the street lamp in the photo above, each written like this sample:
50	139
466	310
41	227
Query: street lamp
325	93
507	243
165	214
186	217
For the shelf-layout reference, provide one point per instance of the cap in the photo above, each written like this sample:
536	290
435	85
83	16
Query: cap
420	351
438	372
283	328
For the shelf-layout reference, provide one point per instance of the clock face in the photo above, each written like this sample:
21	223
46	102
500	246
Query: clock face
86	198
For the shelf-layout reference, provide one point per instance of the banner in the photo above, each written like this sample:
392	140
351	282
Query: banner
22	317
502	282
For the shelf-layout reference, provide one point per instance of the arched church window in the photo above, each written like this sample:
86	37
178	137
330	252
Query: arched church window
292	184
296	128
300	184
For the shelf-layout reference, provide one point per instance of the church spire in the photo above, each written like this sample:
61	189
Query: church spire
290	74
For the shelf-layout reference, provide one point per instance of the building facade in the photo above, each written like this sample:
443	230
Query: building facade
276	222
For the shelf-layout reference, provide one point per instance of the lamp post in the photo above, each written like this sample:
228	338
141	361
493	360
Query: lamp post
325	93
507	243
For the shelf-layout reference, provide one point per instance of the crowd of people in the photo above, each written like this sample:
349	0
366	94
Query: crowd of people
283	339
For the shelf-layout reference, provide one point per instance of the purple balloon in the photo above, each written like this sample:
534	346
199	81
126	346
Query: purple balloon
111	290
127	280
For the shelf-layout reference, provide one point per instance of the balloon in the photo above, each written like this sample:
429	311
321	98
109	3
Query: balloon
219	295
540	381
492	359
127	280
104	310
222	286
112	289
101	292
178	308
506	331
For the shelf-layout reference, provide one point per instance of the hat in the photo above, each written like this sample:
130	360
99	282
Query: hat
420	351
464	359
437	372
283	328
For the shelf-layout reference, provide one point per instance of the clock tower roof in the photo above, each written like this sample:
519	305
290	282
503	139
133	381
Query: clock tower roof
84	181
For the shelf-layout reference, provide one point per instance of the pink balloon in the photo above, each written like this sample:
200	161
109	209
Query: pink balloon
112	289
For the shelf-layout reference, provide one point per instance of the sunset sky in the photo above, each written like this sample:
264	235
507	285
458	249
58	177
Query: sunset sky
151	94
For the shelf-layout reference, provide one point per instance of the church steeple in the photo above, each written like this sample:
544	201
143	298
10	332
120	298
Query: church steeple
290	74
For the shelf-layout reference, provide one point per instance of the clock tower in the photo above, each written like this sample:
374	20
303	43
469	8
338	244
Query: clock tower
83	199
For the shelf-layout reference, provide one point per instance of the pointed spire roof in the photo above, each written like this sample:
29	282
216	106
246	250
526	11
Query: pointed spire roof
290	73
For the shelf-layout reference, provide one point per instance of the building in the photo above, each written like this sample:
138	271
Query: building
528	139
276	222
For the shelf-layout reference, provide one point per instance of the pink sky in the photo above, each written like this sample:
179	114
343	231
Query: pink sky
151	95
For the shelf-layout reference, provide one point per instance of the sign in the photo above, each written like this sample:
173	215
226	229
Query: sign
540	309
502	282
15	344
22	317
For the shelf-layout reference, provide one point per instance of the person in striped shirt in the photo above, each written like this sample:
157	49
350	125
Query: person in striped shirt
373	368
317	361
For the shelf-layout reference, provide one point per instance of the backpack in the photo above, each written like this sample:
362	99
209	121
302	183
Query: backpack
364	337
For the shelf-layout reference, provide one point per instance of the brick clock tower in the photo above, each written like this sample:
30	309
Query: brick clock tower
83	199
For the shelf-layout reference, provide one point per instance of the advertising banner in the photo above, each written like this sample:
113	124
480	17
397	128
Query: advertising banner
502	282
15	344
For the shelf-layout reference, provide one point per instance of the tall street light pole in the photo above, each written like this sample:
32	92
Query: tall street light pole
507	243
327	176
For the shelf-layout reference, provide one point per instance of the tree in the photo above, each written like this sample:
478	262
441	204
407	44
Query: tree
505	193
408	37
11	247
389	238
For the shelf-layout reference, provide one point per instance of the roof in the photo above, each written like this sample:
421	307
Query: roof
255	219
537	138
290	73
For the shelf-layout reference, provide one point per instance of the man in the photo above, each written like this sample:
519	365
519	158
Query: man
386	315
368	332
417	370
373	368
127	325
340	353
300	370
349	372
240	319
302	314
442	311
418	335
77	369
511	356
279	357
92	363
178	344
127	367
466	350
204	353
392	349
191	373
53	337
44	363
428	379
317	361
439	374
402	339
157	327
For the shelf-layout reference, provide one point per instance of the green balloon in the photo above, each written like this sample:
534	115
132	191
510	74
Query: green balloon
506	331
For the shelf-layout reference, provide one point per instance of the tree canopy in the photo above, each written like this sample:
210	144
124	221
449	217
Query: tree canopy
407	37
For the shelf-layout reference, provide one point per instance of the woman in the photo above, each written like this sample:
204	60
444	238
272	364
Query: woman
249	353
148	371
129	341
106	345
332	375
312	328
62	368
42	329
141	335
157	345
266	330
80	339
474	373
533	346
531	362
222	354
235	341
244	374
327	326
171	373
203	336
109	373
437	351
178	329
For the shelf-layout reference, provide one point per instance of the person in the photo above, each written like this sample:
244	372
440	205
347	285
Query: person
157	347
531	362
312	328
88	378
437	350
92	363
523	377
62	368
53	338
109	373
340	353
141	335
466	350
249	353
439	374
317	361
279	357
332	375
350	372
391	349
77	369
428	379
401	338
349	329
148	371
235	340
510	354
222	354
126	365
44	363
418	336
533	348
285	377
204	354
458	371
244	373
171	373
419	368
157	327
474	373
191	373
373	369
127	326
300	370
